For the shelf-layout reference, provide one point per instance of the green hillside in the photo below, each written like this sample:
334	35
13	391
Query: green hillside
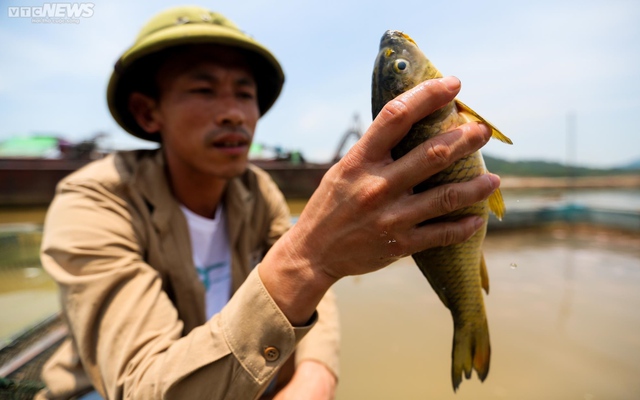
548	169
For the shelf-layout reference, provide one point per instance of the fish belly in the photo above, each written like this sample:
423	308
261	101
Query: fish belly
454	274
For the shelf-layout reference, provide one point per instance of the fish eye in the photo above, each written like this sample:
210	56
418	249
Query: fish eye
401	65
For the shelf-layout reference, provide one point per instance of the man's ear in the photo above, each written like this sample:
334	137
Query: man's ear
143	108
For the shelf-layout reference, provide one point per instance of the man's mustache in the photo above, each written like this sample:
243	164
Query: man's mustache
226	130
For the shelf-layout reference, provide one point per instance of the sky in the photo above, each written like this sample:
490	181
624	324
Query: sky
528	67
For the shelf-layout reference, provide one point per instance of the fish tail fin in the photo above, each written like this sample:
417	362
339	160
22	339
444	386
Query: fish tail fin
471	350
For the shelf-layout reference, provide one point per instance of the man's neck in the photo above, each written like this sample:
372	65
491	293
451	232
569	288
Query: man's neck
200	194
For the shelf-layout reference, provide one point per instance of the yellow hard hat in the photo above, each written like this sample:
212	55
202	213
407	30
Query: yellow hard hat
183	26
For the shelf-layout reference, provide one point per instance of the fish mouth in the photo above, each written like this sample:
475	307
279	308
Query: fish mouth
392	36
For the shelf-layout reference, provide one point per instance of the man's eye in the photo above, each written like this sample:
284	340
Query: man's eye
247	95
204	90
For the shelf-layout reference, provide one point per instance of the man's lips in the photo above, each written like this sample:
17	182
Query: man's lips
230	144
230	140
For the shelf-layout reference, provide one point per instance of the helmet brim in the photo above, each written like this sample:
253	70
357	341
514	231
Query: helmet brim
269	75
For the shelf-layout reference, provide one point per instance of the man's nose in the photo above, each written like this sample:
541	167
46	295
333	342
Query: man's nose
230	113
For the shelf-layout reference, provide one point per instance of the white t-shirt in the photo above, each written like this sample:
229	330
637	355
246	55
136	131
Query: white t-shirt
211	256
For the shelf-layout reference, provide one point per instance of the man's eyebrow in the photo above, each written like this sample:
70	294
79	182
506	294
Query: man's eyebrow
202	76
206	76
245	81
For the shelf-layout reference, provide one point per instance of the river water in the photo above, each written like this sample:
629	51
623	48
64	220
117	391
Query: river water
564	311
563	316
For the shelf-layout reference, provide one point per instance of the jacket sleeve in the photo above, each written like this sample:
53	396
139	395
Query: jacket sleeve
126	330
322	344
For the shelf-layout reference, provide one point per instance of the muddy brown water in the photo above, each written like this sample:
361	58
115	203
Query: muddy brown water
564	319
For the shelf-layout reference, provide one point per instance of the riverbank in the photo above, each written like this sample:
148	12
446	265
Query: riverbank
579	182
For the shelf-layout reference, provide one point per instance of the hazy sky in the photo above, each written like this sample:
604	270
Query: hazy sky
525	66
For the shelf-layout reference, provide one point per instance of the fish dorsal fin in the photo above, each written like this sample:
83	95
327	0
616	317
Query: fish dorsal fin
484	275
471	115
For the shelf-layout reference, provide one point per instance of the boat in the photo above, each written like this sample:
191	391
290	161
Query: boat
31	181
32	166
296	181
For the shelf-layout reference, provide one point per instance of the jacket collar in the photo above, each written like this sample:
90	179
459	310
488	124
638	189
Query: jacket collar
239	202
154	186
155	189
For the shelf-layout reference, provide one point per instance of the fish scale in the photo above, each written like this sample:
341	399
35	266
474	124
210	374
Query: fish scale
457	273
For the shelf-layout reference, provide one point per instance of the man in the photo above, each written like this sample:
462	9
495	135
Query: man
122	238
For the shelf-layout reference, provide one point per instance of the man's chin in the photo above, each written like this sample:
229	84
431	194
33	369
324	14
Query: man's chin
233	171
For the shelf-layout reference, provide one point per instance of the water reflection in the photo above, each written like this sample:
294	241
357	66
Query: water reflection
563	324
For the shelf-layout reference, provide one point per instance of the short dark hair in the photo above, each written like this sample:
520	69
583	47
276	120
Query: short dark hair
143	74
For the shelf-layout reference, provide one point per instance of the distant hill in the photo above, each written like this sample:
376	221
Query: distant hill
634	165
552	169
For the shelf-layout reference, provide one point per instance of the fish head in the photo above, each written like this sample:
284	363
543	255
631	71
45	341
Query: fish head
400	65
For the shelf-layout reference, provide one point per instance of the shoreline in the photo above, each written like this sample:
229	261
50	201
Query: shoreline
579	182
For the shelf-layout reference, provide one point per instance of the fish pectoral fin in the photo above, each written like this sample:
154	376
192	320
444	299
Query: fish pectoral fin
484	275
496	204
469	115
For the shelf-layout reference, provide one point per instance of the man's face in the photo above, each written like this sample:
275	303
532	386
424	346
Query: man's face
207	111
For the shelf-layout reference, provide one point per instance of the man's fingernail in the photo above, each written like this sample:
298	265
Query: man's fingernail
451	82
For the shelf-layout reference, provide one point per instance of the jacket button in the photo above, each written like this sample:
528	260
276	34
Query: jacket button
271	353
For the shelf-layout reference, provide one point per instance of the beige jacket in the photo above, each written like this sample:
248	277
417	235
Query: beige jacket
117	244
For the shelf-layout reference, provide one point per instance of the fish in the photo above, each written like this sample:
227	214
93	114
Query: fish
457	273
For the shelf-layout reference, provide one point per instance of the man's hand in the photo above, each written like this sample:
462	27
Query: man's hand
311	381
365	215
